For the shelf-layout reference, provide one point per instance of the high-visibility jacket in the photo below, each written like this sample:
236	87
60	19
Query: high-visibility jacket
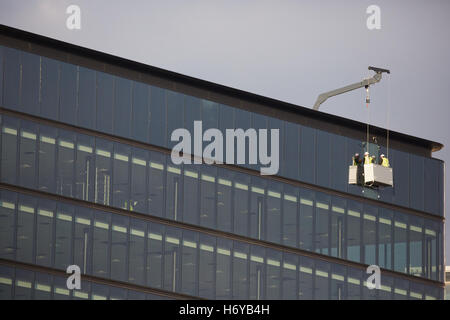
368	160
385	162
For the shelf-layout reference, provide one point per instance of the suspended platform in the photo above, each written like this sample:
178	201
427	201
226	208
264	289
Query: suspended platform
371	175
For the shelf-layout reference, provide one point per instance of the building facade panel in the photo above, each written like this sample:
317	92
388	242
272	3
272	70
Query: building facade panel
115	105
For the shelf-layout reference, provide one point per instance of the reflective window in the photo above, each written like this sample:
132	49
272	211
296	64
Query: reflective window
7	216
119	247
337	227
306	219
306	281
208	198
63	236
101	240
25	228
105	101
172	259
137	261
87	97
31	80
385	239
9	150
121	182
68	92
307	154
158	116
223	269
273	274
321	232
139	196
207	258
122	106
65	169
140	112
240	271
154	256
369	234
50	78
258	273
289	277
28	154
290	216
400	238
416	235
11	77
354	231
47	159
44	232
189	264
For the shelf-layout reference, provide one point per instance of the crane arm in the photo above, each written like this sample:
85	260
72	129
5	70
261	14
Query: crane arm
365	83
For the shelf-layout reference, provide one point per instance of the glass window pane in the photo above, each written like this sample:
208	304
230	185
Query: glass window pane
257	272
9	150
400	161
11	78
323	158
49	88
273	274
241	204
191	194
122	107
28	148
416	235
306	286
400	242
102	183
101	249
82	245
154	255
307	154
240	271
158	116
121	183
224	200
84	168
223	269
68	90
337	227
175	114
63	236
273	213
47	159
31	68
25	228
42	286
105	99
339	162
354	283
292	150
189	263
173	194
321	237
385	239
138	199
369	234
140	111
258	212
338	291
137	261
290	214
23	285
119	247
156	184
321	284
306	219
87	98
172	259
289	276
207	266
354	210
6	285
8	205
66	160
417	176
208	197
44	232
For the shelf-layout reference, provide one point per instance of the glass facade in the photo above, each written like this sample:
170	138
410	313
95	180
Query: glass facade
24	284
211	216
114	105
108	245
126	177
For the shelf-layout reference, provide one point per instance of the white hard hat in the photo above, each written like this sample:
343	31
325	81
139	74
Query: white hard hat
366	153
382	156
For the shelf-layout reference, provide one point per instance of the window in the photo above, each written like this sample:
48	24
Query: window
306	219
189	263
400	242
27	160
385	239
7	216
337	227
87	98
121	183
191	194
122	107
101	244
257	272
323	158
105	101
322	276
68	91
240	271
102	182
273	213
292	150
155	255
354	231
175	117
173	194
369	234
208	197
158	117
206	281
85	172
31	81
137	261
12	78
416	235
64	236
290	214
258	212
307	154
241	205
224	200
44	232
119	247
139	193
273	274
50	76
289	279
9	150
156	184
321	237
47	154
23	285
172	259
140	111
338	282
66	157
82	244
25	229
306	281
223	269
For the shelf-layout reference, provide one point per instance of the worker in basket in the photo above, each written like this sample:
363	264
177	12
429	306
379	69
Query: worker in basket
356	160
384	161
368	159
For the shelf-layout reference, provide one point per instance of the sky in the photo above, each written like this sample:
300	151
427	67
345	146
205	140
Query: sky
287	50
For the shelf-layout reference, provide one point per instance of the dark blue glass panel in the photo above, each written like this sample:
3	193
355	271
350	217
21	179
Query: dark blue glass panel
105	100
122	107
400	163
11	86
158	117
340	161
87	98
68	100
49	88
292	151
30	83
140	111
323	159
307	154
417	175
432	193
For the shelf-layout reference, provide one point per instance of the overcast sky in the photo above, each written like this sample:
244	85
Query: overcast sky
287	50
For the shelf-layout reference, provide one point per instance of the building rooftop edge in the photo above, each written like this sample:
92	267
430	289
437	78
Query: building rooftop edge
214	87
